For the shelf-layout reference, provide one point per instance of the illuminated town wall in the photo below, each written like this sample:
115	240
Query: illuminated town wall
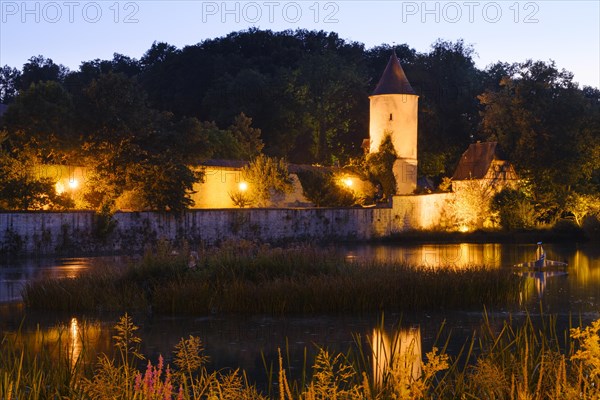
48	233
213	192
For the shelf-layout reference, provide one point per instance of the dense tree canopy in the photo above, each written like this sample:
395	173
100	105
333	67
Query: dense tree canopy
549	128
301	95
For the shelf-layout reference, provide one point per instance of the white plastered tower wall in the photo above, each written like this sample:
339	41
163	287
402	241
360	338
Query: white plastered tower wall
394	109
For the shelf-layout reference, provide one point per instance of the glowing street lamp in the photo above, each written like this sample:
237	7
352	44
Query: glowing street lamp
73	184
348	182
243	186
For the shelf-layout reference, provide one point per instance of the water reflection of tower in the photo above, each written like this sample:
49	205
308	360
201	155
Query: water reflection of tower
399	351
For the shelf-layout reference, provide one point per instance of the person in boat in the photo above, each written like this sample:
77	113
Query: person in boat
540	256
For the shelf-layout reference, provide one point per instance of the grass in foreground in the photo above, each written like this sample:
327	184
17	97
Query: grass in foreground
519	361
244	277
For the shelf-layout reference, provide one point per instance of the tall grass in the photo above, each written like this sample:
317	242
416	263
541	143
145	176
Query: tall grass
44	369
249	278
524	360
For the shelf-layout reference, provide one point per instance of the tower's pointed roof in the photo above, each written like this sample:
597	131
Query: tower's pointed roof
393	80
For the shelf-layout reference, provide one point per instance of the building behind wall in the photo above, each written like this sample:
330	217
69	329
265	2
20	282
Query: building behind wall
483	163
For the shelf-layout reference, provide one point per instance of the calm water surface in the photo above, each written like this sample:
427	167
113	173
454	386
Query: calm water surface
235	341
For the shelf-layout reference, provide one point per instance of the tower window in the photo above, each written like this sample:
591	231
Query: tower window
391	118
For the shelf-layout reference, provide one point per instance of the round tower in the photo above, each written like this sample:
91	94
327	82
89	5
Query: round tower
394	110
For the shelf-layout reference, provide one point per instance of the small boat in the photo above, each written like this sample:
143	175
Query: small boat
541	263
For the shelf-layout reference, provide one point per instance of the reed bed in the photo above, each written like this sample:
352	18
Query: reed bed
519	360
244	277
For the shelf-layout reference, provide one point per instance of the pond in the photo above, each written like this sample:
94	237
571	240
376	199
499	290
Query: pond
252	342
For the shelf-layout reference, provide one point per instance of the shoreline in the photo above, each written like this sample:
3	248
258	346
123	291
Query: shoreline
549	236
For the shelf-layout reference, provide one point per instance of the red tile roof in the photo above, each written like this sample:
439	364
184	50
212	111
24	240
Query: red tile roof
476	161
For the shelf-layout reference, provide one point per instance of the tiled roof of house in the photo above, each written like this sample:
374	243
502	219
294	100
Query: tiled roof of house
476	161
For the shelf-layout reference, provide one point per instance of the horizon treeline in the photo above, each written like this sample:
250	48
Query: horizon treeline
303	96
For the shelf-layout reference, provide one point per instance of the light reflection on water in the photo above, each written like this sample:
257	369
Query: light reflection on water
458	255
398	350
248	342
15	274
235	341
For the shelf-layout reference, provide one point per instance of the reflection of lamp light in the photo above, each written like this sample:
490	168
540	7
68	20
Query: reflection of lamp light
243	186
73	183
75	342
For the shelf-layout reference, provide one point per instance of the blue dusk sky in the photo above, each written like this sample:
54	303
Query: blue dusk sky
71	31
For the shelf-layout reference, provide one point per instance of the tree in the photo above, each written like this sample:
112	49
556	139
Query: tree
9	78
162	184
20	189
114	109
247	138
330	93
380	166
322	190
514	208
547	128
41	69
448	83
136	164
187	139
42	118
582	205
471	205
268	178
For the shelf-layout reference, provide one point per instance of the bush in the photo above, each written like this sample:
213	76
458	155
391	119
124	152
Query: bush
514	208
323	191
380	166
268	178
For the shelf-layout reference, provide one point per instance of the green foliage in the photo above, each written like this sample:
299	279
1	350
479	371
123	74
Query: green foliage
20	190
239	142
9	78
583	205
445	184
240	199
246	137
328	92
471	205
163	184
449	84
380	166
135	166
432	164
40	69
268	179
514	209
539	116
42	119
322	189
307	94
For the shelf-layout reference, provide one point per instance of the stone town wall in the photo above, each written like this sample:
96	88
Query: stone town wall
53	233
